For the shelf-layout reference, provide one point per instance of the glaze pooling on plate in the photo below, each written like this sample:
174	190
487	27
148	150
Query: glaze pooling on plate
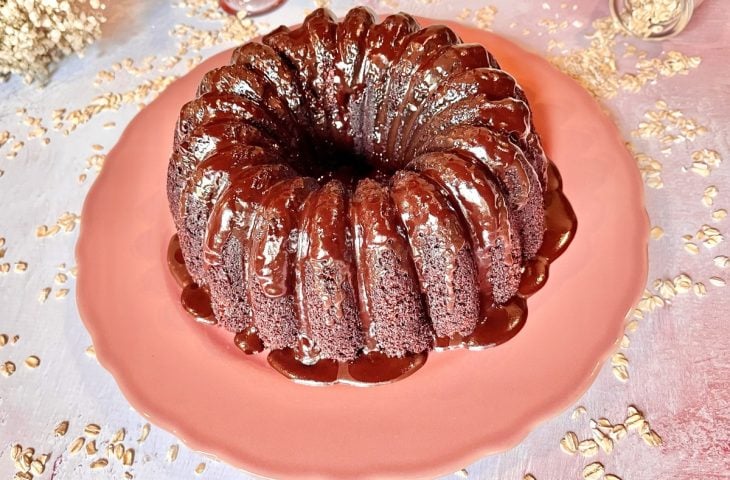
198	369
499	322
351	187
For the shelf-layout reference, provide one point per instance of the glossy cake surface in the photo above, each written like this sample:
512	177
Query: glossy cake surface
353	187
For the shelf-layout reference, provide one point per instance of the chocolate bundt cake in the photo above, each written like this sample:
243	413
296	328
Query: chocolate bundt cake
353	186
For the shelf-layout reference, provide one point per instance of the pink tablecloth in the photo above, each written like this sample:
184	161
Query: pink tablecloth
671	101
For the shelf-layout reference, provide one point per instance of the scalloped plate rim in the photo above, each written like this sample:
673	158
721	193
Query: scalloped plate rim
185	431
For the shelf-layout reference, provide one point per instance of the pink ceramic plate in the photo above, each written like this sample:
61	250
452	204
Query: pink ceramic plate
462	405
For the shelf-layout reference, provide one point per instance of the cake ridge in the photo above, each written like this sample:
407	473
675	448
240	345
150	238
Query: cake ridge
350	186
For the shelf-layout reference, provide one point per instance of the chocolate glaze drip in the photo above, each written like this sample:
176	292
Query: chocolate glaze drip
374	368
248	341
196	301
347	193
176	262
498	325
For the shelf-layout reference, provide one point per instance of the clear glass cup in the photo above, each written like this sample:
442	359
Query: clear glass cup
653	19
251	7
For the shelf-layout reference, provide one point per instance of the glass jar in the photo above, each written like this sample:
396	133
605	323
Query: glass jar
251	7
653	19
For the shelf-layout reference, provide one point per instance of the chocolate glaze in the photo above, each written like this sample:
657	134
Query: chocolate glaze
441	253
372	368
248	341
417	48
498	325
430	74
487	219
176	262
196	301
350	195
389	299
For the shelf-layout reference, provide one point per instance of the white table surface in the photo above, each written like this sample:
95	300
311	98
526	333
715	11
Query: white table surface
679	356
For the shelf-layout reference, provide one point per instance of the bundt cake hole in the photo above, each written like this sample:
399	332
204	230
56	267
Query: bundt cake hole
351	134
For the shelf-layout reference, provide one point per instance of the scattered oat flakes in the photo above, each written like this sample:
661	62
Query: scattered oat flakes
119	436
579	410
634	421
650	169
484	17
172	453
588	448
128	457
100	463
90	351
652	438
598	69
699	289
611	476
76	445
61	293
32	362
691	248
717	281
708	196
656	233
200	468
465	14
91	448
15	451
719	215
7	368
118	451
632	326
668	126
721	261
462	473
618	432
529	476
682	283
92	429
619	359
593	471
665	288
3	339
569	443
606	443
95	162
710	236
66	222
21	267
704	161
43	296
621	373
37	466
145	433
